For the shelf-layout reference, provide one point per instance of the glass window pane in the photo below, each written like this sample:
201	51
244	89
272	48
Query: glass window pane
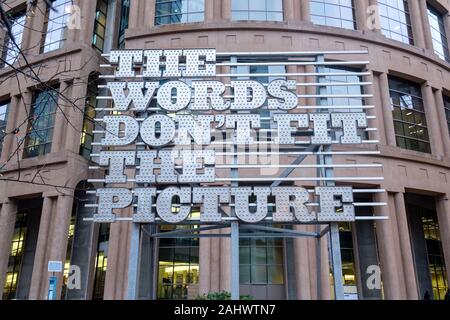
179	11
395	20
333	13
260	10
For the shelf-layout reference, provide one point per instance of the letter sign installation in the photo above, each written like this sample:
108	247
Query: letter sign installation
176	142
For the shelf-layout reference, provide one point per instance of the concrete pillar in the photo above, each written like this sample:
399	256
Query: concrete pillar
87	21
426	25
439	99
136	7
416	23
388	258
149	14
432	120
443	214
374	135
209	10
226	10
32	36
39	278
305	10
7	221
405	246
8	139
59	230
75	112
302	266
204	264
288	9
61	118
386	109
225	250
22	122
361	16
373	10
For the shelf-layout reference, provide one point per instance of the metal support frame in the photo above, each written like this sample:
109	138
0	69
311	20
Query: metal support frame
328	172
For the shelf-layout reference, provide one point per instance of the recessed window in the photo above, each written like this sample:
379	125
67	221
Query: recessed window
334	13
179	11
87	133
101	14
262	10
410	123
447	111
55	25
4	106
395	20
42	121
440	43
12	47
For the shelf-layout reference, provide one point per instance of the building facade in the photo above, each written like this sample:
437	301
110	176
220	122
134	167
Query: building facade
48	88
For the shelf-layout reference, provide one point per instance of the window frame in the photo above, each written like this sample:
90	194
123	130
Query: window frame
248	11
188	14
4	122
328	17
8	44
435	14
388	32
62	38
95	34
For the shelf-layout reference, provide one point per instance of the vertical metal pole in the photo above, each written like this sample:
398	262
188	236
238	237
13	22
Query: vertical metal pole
234	241
133	261
336	260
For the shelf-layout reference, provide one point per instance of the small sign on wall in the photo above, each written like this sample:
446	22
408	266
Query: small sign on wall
55	266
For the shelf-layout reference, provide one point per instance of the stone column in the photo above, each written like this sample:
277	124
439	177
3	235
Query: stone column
226	10
388	258
372	89
209	10
32	36
288	9
75	113
150	11
204	264
39	275
426	25
361	16
405	246
432	120
416	23
7	222
61	116
9	138
439	98
87	21
136	7
374	12
22	120
443	213
59	231
301	259
386	108
305	10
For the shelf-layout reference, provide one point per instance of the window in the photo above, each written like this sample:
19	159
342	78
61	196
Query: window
395	20
447	111
123	24
87	135
15	256
179	11
101	11
101	262
42	121
4	106
348	258
263	10
178	265
55	25
440	43
11	48
345	85
261	261
409	115
334	13
438	272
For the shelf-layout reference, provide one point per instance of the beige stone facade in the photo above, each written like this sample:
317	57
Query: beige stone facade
407	173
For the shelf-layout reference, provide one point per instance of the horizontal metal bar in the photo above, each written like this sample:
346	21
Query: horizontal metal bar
283	53
262	166
262	108
337	96
291	153
309	190
254	75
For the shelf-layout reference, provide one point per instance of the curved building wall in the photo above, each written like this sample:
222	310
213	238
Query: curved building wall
413	179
